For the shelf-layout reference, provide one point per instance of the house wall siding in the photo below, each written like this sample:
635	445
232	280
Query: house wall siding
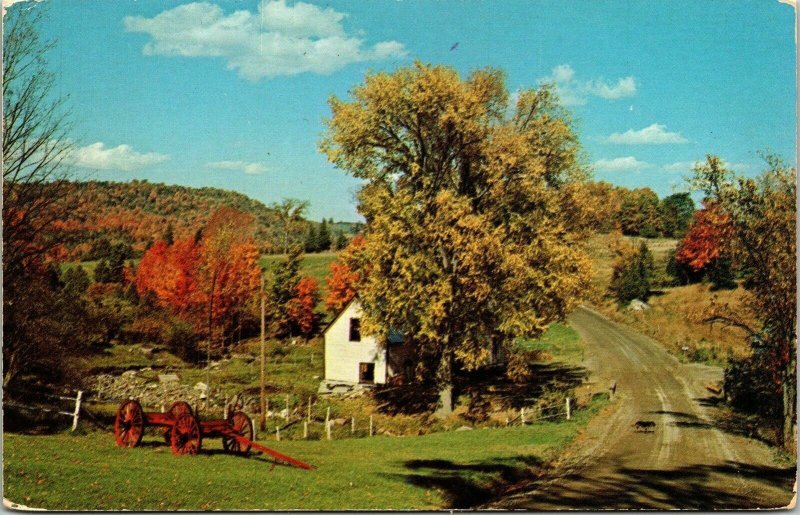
343	356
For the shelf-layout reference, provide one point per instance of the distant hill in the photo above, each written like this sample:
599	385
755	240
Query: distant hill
137	213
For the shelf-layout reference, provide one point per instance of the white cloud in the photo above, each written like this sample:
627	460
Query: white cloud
688	166
278	39
242	166
655	134
621	164
121	157
573	91
681	166
625	87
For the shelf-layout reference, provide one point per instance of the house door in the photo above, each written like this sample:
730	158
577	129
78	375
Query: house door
366	373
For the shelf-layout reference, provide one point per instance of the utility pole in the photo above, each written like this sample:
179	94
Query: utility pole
263	418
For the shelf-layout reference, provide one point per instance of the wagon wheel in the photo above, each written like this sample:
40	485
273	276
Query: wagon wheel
243	426
177	409
186	437
129	424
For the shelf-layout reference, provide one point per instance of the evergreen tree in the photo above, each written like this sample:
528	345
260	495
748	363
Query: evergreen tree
169	236
341	240
323	237
310	244
101	272
76	281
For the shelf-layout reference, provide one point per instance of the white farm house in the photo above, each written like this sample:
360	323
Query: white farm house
353	358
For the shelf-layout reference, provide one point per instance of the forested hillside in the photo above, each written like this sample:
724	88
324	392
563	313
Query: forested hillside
137	213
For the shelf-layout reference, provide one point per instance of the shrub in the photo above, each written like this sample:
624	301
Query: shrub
750	385
632	274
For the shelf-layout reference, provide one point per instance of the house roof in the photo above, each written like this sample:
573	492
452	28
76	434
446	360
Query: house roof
395	336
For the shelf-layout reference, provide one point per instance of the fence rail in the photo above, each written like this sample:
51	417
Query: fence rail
74	414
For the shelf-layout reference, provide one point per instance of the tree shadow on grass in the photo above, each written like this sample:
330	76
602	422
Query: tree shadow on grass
485	385
466	485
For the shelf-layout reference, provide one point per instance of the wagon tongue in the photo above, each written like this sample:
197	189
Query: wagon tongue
275	454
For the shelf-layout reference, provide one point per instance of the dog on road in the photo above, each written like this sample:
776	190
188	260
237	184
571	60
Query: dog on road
644	426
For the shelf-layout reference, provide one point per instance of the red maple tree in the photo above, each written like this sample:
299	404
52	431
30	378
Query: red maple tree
343	278
704	243
300	309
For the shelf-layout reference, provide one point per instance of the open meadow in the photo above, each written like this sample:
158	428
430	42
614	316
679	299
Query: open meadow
456	469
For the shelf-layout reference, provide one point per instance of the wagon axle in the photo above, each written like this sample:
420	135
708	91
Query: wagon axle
184	432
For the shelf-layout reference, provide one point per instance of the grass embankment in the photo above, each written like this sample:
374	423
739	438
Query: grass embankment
443	470
559	343
676	315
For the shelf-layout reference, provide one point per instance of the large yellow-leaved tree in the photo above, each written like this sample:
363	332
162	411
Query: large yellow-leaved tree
472	210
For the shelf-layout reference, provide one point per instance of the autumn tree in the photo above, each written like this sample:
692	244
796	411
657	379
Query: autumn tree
632	272
761	215
603	205
639	213
466	244
208	280
705	247
36	148
300	308
343	279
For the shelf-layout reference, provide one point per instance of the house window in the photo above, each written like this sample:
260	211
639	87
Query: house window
366	373
355	329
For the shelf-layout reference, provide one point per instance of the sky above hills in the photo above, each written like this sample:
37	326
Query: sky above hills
232	94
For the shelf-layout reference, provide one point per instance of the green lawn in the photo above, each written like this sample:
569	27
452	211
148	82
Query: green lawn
314	265
560	342
442	470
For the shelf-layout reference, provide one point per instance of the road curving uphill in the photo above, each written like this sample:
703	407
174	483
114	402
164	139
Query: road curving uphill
681	460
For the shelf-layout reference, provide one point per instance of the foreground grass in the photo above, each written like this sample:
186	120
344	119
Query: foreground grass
443	470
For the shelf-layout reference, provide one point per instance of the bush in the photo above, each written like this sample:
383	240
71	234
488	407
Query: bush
632	274
681	273
750	386
162	329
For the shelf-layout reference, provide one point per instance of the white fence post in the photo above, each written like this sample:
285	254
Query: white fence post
522	416
278	433
77	410
352	425
328	422
305	429
370	425
569	409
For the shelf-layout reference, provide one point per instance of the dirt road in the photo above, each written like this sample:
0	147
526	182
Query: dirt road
685	462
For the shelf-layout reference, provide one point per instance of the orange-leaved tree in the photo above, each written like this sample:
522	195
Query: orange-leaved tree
705	241
343	279
207	280
300	309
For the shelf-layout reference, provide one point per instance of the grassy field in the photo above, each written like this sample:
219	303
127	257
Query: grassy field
455	469
559	343
675	317
314	265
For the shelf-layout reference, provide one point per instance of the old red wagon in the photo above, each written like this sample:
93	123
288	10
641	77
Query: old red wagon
184	432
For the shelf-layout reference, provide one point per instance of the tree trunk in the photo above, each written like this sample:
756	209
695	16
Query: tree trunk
444	379
789	397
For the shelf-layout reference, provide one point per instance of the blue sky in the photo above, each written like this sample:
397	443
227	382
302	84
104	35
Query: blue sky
232	94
